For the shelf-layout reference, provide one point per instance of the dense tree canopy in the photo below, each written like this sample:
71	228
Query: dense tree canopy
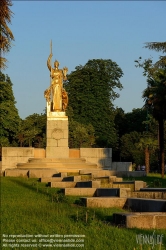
6	35
8	112
155	93
32	131
91	90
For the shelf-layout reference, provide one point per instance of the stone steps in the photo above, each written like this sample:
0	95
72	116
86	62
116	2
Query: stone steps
149	195
104	202
75	184
59	179
141	220
146	205
62	160
58	165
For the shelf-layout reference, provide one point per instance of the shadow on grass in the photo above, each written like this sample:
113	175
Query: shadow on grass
152	180
34	186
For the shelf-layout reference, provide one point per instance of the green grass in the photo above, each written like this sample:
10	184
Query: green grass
30	207
152	180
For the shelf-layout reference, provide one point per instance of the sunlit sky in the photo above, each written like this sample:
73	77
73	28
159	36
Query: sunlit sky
80	31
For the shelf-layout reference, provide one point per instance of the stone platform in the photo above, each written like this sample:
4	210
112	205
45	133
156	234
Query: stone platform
140	220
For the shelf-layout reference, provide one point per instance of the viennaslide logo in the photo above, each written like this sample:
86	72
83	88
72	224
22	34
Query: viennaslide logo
150	239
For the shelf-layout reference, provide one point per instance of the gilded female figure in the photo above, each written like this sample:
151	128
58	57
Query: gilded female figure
57	76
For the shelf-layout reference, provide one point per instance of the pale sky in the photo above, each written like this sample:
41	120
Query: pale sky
80	31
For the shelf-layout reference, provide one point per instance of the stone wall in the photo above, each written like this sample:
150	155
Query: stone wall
39	153
13	155
74	153
121	166
100	156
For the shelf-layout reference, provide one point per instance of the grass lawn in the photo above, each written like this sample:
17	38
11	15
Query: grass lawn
32	212
152	180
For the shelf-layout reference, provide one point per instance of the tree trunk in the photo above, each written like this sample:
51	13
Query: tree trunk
161	145
147	159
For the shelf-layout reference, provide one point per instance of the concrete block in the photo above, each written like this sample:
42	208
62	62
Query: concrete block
63	143
40	173
121	166
138	185
100	156
146	205
96	172
124	185
112	178
51	179
12	155
74	153
16	172
96	152
79	191
60	175
149	195
58	123
104	202
84	184
57	152
124	192
141	220
153	189
130	173
39	153
72	178
118	179
62	184
107	192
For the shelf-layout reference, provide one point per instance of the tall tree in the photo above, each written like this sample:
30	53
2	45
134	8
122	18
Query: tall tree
155	93
148	145
91	90
8	112
6	35
155	97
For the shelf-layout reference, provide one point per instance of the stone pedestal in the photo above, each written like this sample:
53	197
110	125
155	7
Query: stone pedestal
57	135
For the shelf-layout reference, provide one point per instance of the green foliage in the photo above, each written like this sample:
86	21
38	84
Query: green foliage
6	36
32	131
155	93
91	90
129	152
8	112
135	119
80	135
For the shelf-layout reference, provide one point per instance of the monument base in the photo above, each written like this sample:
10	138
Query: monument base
57	152
57	135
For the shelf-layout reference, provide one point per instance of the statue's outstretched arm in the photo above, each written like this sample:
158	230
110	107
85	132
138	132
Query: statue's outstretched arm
49	62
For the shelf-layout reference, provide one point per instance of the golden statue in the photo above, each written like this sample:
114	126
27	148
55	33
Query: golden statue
56	94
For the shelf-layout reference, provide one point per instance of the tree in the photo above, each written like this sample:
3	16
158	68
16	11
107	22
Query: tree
148	145
32	131
6	35
129	151
158	46
8	112
155	93
80	135
155	97
135	120
91	91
